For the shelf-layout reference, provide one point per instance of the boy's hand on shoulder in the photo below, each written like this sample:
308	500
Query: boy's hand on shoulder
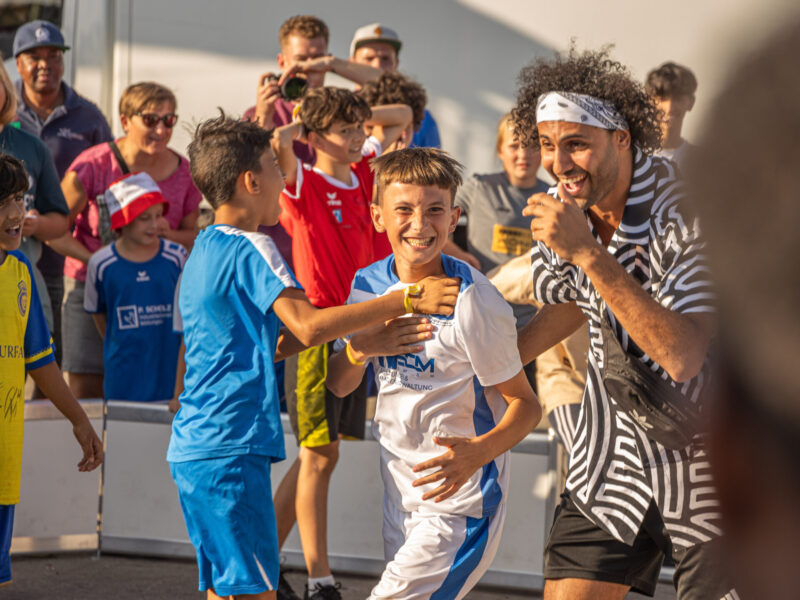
437	295
464	456
90	444
398	336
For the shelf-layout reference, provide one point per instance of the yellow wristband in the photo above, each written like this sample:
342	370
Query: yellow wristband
411	290
348	351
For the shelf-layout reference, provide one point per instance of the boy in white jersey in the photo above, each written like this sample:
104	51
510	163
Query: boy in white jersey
448	410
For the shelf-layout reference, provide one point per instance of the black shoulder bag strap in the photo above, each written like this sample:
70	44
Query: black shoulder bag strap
123	166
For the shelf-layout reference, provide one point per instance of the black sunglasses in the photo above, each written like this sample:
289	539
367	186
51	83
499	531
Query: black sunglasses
152	119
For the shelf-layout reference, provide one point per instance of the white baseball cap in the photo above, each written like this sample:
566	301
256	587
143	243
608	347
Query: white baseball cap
374	32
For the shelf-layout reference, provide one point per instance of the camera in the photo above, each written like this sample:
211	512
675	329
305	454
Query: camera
293	88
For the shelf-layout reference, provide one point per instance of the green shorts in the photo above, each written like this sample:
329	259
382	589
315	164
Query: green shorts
318	417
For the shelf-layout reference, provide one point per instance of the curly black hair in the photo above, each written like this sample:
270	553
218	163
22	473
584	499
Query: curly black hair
590	72
395	88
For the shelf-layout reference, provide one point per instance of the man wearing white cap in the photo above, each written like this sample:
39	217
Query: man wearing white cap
615	245
379	47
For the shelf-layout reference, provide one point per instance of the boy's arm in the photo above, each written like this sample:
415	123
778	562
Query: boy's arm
399	336
451	248
100	322
283	147
51	382
288	345
180	371
388	122
355	72
44	227
464	456
314	326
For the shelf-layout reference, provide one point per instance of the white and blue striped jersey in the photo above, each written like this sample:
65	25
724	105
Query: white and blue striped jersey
444	390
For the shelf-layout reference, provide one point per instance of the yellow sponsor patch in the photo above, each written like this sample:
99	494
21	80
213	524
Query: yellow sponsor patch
511	240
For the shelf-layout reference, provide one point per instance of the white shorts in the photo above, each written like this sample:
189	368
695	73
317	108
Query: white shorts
437	556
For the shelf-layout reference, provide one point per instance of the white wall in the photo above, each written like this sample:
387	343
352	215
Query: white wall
467	53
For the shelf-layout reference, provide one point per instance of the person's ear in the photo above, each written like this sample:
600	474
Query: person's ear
125	121
251	182
691	102
455	213
377	217
281	61
622	139
316	140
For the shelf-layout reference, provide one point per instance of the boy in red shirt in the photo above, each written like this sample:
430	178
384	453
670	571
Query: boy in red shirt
325	210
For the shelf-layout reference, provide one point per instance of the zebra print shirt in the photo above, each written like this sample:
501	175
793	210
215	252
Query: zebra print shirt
615	470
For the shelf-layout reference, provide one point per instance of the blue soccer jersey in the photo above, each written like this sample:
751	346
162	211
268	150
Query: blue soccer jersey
444	390
229	405
140	350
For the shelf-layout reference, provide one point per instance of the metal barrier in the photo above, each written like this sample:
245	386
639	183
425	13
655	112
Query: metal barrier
141	514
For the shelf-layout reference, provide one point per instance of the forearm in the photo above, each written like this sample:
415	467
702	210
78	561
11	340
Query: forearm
180	371
69	246
452	249
355	72
521	416
551	324
51	226
675	341
283	147
390	115
343	376
52	384
100	322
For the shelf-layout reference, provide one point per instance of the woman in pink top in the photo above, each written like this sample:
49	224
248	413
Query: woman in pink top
147	114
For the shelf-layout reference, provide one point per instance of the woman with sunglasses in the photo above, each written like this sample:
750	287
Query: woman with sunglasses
147	113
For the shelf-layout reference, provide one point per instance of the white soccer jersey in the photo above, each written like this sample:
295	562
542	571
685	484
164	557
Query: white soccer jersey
444	390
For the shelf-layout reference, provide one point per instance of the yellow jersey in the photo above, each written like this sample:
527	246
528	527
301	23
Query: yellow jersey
25	344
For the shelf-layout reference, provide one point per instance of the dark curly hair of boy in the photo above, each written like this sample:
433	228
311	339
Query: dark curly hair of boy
395	88
590	72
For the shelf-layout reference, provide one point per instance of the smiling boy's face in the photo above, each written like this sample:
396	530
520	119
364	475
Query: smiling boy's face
417	219
12	213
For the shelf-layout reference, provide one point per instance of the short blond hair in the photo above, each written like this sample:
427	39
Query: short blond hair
140	95
417	166
306	26
8	112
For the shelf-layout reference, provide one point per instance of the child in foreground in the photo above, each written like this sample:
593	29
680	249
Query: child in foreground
25	347
448	410
133	281
235	291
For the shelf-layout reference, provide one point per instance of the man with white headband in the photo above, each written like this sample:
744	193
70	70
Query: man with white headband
613	242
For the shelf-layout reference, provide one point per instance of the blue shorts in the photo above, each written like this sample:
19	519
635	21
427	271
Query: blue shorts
227	505
6	530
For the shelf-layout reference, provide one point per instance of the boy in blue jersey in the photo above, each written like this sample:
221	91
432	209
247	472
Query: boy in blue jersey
25	347
448	410
235	291
130	288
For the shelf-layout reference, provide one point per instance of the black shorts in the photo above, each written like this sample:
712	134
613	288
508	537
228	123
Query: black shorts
318	417
577	548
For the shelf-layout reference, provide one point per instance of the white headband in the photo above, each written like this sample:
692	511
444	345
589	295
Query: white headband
579	108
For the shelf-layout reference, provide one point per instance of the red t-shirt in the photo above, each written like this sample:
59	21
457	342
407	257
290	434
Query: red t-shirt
331	229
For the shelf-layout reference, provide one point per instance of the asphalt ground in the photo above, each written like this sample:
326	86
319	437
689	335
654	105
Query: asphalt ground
85	577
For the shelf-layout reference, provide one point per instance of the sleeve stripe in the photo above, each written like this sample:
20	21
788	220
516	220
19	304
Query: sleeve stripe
39	355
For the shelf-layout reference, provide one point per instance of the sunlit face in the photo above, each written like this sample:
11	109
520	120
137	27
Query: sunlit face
270	184
585	159
377	54
342	142
296	49
417	220
673	111
519	162
12	213
41	69
143	231
150	140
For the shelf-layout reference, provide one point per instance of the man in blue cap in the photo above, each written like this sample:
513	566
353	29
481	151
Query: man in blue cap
66	122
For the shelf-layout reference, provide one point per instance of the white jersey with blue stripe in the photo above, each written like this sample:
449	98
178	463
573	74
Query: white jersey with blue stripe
444	390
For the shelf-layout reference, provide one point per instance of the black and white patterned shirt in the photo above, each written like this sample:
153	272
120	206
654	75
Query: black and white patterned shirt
615	469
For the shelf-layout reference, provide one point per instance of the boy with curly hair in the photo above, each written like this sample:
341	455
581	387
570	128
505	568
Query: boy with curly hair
325	210
672	87
614	243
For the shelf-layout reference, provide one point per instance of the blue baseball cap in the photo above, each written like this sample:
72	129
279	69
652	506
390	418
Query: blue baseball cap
37	34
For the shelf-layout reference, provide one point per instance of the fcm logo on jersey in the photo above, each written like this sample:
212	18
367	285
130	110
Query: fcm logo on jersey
408	361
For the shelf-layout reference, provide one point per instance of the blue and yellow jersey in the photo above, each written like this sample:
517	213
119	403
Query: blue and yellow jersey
25	344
